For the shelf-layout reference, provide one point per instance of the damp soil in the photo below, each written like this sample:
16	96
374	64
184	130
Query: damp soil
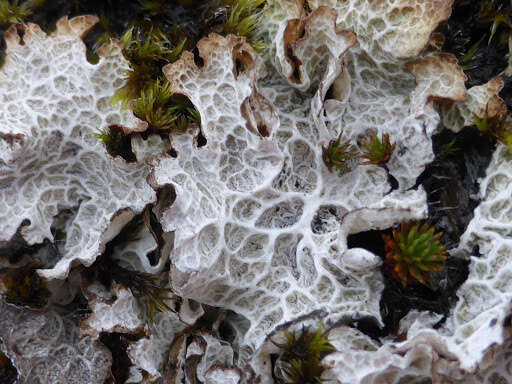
451	180
451	183
469	30
470	27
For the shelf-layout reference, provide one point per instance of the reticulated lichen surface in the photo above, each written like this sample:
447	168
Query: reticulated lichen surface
257	218
484	299
46	347
381	99
259	223
53	101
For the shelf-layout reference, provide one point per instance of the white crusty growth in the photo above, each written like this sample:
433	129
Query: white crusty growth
257	214
52	102
45	348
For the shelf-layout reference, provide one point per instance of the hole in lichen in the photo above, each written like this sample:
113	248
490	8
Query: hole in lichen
302	33
117	343
369	240
239	67
90	43
201	140
243	60
198	60
273	361
157	231
330	93
165	198
392	181
117	142
397	300
20	29
368	326
226	332
172	152
295	76
507	321
263	130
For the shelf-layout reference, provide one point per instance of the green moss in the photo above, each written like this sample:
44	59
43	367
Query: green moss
493	12
377	150
163	110
158	298
468	61
302	353
146	91
12	13
337	155
147	53
498	126
413	252
242	19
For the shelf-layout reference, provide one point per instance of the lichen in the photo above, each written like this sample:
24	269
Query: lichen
173	198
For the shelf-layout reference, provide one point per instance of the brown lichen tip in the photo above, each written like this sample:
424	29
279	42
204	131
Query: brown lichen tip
76	27
301	37
438	78
207	47
243	65
491	104
413	34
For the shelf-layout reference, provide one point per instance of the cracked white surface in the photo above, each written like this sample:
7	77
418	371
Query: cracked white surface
257	218
52	102
45	348
382	94
484	298
259	224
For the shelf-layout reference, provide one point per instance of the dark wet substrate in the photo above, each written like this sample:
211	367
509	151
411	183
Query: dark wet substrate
451	183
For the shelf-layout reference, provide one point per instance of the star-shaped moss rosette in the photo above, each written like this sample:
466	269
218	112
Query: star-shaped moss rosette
414	251
337	155
377	150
